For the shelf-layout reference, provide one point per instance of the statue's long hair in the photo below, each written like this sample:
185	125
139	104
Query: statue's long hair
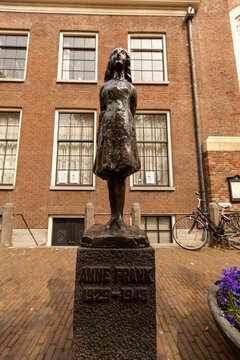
110	71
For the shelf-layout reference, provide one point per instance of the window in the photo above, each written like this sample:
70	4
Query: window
148	55
235	26
13	56
153	140
78	59
158	228
75	149
238	26
67	231
9	129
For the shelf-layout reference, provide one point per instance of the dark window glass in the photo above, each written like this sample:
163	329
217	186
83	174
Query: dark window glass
79	58
12	56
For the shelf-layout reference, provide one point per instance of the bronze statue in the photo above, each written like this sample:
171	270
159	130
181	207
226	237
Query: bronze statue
117	155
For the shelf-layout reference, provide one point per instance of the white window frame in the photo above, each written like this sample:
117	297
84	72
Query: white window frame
172	222
11	187
50	226
152	35
150	187
234	16
60	56
55	148
17	32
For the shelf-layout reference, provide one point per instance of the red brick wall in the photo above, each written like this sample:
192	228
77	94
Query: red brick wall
40	95
217	80
219	165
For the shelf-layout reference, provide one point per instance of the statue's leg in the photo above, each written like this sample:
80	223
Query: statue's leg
116	188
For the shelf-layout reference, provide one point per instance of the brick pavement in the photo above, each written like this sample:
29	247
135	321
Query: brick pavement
36	303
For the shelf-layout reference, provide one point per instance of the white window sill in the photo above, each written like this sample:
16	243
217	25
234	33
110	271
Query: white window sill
12	80
77	81
78	188
151	82
152	188
6	187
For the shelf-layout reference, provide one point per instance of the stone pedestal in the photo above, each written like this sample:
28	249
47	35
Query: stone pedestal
115	304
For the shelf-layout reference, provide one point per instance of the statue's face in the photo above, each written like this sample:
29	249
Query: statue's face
119	57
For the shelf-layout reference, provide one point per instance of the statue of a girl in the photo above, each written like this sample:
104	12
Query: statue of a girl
117	155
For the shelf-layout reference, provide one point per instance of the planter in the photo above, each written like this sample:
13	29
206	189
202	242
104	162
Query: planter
229	333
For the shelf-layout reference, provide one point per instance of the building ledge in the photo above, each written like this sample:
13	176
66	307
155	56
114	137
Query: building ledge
221	143
102	7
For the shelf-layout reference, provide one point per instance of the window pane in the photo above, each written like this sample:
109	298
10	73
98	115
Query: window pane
89	65
146	44
156	43
89	75
165	237
147	76
90	43
164	223
137	75
78	65
158	76
78	75
21	54
135	43
89	55
22	40
11	40
8	176
153	237
2	40
79	42
152	223
68	41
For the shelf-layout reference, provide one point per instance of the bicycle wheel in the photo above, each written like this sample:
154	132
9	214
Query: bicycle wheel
190	233
234	240
232	227
234	220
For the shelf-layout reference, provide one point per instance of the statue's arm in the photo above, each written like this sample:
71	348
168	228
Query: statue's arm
102	111
133	101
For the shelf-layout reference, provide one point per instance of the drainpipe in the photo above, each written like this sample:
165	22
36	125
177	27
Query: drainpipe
188	18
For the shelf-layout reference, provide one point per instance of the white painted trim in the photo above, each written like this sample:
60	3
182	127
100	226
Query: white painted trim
102	7
170	187
53	185
234	14
17	32
72	188
165	67
50	225
60	55
11	187
221	143
151	188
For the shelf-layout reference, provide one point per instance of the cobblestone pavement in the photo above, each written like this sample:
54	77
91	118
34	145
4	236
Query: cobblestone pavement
36	303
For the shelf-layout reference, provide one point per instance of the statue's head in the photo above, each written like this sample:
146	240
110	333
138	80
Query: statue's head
111	61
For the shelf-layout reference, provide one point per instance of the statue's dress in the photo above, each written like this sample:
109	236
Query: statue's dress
117	154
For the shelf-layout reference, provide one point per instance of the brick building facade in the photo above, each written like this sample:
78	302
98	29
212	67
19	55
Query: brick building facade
53	60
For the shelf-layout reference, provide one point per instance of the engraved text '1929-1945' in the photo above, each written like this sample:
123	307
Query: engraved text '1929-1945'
125	275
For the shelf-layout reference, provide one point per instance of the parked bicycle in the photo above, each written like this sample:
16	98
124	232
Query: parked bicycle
191	232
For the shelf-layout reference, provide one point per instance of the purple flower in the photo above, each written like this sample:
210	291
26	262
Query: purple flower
237	303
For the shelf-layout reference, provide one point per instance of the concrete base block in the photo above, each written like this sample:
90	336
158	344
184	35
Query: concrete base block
115	305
